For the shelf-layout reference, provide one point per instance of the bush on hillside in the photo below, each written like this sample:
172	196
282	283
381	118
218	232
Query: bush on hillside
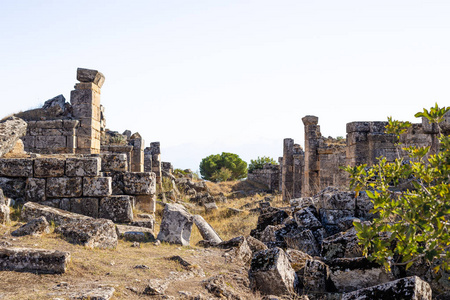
259	163
217	167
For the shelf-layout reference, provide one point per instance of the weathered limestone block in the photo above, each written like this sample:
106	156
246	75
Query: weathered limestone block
10	132
117	208
64	187
274	216
339	200
33	260
139	183
19	148
254	244
307	218
210	207
16	167
97	186
363	206
342	244
91	233
4	214
358	127
135	233
239	248
35	190
147	223
268	234
85	206
208	233
52	203
297	259
146	203
332	218
2	197
350	274
315	277
176	225
97	293
407	288
49	167
271	273
87	75
114	162
33	227
87	166
32	210
50	142
302	240
13	188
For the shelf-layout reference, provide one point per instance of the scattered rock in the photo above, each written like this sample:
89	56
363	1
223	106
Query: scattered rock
11	131
156	287
207	232
135	234
4	214
176	225
34	227
239	247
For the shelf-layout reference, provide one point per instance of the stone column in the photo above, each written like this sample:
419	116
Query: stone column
299	163
137	154
147	160
155	150
287	177
85	100
311	173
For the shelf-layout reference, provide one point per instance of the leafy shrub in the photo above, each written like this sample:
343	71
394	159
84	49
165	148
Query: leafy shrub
260	162
214	163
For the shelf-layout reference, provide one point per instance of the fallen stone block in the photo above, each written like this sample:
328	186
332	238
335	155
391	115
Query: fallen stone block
302	240
4	214
135	234
156	287
407	288
98	293
207	232
350	274
84	206
16	167
273	217
297	259
315	277
254	244
32	210
91	233
147	223
307	218
238	247
139	183
271	273
86	166
337	200
117	208
33	260
33	227
64	187
97	186
87	75
176	225
49	167
210	207
11	131
342	244
13	188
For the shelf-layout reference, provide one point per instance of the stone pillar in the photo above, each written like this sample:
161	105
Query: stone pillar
137	154
299	164
155	150
280	174
85	100
358	143
147	160
311	172
287	177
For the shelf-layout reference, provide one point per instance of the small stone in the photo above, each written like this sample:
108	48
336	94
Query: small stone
33	227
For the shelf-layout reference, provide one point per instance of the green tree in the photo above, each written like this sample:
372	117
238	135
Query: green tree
210	167
411	201
260	162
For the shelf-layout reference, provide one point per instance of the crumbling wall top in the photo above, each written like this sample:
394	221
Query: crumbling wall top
87	75
310	120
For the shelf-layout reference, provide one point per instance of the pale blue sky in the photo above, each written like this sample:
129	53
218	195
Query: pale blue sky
204	77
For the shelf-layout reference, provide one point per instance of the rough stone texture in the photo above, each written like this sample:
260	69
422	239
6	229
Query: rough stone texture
2	197
139	183
97	186
268	234
16	167
86	166
297	259
64	187
114	162
91	233
350	274
4	214
269	175
33	260
13	188
49	167
207	232
32	210
302	240
272	217
210	207
98	293
33	227
87	75
11	131
35	190
176	225
135	234
271	273
315	277
84	206
255	245
412	288
239	247
146	203
342	244
117	208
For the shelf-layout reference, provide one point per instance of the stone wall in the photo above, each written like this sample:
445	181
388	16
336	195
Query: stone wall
269	175
79	184
306	173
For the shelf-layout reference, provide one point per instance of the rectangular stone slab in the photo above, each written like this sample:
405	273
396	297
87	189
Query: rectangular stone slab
33	260
32	210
